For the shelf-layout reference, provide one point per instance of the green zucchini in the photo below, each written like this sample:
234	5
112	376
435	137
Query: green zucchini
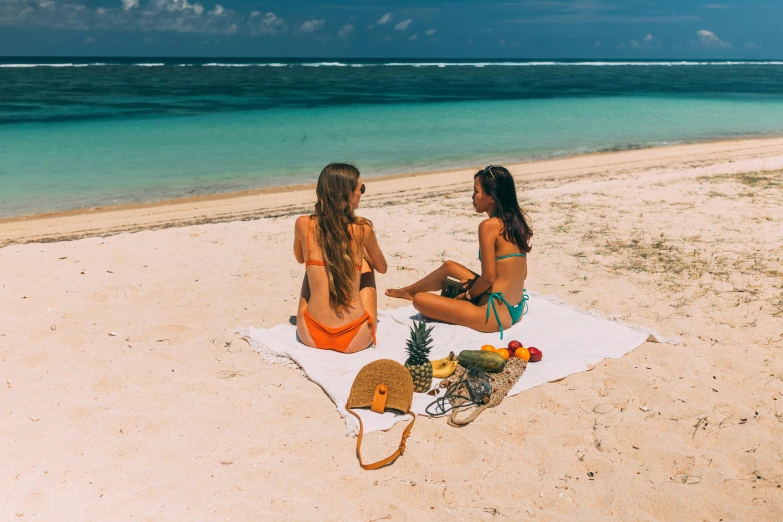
485	360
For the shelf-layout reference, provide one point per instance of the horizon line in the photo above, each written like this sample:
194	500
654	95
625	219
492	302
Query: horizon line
332	58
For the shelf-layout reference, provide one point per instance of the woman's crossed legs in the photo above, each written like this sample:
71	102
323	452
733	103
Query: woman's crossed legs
454	311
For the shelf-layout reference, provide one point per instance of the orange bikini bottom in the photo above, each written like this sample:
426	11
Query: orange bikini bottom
338	338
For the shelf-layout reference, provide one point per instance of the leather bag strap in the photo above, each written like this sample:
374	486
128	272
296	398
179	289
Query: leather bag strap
391	458
458	423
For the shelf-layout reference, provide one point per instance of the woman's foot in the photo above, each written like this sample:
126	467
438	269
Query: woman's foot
400	293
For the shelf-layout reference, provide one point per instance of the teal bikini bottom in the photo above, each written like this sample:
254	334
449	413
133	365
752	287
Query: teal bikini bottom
516	311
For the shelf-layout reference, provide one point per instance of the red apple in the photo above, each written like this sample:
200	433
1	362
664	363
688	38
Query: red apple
513	345
535	354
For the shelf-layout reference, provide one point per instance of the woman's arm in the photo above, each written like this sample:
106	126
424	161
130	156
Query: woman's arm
373	252
299	231
488	233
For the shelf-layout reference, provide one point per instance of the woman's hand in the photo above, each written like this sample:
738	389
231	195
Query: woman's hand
462	297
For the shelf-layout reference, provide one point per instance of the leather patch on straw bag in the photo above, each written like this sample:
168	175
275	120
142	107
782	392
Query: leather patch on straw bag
382	386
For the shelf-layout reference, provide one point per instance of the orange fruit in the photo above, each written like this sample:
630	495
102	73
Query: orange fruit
488	348
503	353
522	353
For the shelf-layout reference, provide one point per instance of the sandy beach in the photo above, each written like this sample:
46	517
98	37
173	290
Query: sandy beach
127	394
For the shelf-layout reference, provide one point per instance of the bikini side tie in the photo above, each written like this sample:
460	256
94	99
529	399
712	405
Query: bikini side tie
502	298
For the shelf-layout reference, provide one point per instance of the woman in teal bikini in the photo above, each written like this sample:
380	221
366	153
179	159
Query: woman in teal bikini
495	299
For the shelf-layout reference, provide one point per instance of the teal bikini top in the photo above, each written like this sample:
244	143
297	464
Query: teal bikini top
504	257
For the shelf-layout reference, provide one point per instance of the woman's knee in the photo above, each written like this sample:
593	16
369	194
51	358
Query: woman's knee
450	265
460	271
421	301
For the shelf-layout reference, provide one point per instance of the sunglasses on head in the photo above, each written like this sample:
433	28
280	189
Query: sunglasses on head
488	170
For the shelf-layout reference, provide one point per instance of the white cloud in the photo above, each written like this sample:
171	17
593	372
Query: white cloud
709	40
403	26
430	32
174	6
750	46
311	26
270	24
385	19
413	38
45	13
344	31
647	42
179	16
89	40
170	5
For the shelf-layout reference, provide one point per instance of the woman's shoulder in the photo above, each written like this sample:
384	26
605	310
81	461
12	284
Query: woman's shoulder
362	225
303	221
491	225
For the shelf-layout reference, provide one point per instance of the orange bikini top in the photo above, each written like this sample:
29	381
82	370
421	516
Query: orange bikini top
318	262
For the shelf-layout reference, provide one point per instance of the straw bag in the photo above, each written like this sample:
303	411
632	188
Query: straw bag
382	385
460	396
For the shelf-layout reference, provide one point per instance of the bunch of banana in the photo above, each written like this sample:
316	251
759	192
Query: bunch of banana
443	368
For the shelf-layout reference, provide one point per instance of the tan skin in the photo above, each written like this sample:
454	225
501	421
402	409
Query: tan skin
507	276
315	287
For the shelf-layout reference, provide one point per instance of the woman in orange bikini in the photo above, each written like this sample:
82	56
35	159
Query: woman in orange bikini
487	305
338	307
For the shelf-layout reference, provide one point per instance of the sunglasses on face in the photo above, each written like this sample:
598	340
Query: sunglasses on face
362	188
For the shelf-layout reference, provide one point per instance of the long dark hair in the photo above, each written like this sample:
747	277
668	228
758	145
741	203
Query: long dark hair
334	217
498	183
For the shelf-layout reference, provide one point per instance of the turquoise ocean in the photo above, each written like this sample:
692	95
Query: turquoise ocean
78	133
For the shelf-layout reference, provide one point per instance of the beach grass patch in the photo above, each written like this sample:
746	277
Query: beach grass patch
656	256
762	179
777	306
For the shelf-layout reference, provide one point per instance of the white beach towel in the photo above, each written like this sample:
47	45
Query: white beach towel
571	341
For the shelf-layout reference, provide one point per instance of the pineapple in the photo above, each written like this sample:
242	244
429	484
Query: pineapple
418	363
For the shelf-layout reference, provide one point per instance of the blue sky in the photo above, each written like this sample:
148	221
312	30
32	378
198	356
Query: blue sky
395	28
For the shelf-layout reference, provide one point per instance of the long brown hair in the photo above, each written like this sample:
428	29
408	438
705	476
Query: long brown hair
499	185
334	217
